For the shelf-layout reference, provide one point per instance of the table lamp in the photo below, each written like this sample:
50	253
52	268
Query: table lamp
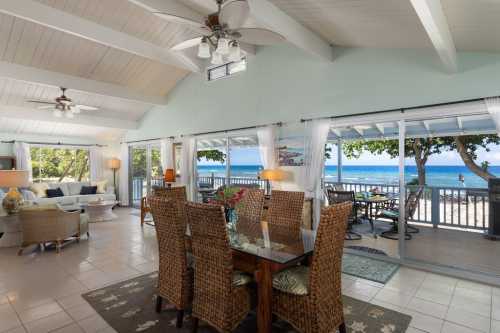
271	175
114	164
13	179
169	177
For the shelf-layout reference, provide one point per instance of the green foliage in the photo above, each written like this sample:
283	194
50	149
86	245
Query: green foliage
212	155
412	182
59	164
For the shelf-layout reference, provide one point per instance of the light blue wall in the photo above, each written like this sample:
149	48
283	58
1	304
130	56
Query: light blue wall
285	84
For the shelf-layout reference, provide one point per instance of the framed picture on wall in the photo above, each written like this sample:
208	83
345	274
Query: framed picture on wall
291	151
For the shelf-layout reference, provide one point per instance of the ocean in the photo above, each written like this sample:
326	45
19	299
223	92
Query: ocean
446	176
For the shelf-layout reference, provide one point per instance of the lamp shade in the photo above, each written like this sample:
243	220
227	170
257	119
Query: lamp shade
14	178
169	176
114	163
272	174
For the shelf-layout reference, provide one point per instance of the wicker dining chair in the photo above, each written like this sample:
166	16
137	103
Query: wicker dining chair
220	296
319	308
251	205
285	209
177	193
175	277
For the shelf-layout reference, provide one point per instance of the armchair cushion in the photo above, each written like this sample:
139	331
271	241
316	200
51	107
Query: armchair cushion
294	280
389	213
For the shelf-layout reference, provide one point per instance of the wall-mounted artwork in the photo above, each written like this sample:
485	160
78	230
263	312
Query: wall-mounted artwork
291	151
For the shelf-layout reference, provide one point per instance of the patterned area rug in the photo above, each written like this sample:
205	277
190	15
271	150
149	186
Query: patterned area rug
129	307
368	268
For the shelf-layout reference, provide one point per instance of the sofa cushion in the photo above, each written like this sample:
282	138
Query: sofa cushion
39	189
52	193
66	200
101	186
88	190
95	197
75	188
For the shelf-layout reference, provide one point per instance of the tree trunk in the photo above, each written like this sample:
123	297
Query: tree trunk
469	161
421	156
66	171
82	170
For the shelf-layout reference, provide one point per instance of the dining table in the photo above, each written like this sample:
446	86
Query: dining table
262	249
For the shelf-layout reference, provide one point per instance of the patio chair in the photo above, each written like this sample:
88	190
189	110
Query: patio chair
334	197
393	214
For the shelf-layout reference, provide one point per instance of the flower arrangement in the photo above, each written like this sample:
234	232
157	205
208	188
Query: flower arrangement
229	197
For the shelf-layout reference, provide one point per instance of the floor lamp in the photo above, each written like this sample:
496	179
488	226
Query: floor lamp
114	164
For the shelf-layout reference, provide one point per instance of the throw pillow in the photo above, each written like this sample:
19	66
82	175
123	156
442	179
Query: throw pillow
88	190
40	189
101	186
54	193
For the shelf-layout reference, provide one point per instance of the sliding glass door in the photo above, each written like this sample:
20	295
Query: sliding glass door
146	171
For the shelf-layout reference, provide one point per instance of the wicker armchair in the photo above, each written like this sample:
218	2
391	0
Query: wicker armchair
217	299
44	224
250	207
321	309
285	209
175	277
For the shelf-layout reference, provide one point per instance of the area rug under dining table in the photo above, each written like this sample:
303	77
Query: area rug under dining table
129	306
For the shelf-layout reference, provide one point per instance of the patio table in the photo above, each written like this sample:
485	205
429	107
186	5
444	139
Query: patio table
369	200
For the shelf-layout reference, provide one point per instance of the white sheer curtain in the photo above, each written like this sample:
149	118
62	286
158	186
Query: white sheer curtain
123	178
167	153
316	135
267	140
493	106
96	164
188	166
23	157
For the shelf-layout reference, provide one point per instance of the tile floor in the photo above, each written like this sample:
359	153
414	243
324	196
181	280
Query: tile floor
40	292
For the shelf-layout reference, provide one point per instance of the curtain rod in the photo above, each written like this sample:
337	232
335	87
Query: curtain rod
204	133
402	110
56	143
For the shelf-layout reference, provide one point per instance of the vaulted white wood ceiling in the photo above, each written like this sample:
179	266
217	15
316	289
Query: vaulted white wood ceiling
115	55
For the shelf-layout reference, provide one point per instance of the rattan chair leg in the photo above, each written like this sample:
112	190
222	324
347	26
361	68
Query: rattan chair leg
194	328
158	303
342	328
180	318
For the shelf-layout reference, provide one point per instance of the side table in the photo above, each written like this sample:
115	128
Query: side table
12	231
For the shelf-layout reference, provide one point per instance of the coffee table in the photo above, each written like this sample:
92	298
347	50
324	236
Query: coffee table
100	211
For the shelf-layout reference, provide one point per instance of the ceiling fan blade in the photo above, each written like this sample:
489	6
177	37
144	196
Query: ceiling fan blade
259	36
187	44
86	107
234	13
41	102
199	27
45	107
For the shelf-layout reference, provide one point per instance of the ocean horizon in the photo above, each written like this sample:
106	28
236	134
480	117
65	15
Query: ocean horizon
437	175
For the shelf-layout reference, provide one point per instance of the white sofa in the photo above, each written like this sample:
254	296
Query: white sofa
72	194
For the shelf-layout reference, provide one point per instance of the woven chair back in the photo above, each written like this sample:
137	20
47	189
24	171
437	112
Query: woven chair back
285	209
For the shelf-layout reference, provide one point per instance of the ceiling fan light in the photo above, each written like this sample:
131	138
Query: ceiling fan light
204	49
57	113
217	58
69	114
223	46
234	52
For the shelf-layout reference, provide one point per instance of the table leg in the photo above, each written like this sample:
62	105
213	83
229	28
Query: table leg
264	280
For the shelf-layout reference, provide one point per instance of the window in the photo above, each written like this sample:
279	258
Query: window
59	164
226	70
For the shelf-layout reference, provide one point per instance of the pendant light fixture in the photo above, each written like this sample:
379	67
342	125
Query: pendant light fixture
234	52
204	49
223	46
217	58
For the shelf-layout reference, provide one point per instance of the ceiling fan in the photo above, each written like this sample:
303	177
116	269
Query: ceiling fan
63	106
222	32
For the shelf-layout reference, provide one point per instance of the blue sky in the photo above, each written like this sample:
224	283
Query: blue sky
250	156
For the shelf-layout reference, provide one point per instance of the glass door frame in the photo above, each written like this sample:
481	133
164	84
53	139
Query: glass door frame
148	147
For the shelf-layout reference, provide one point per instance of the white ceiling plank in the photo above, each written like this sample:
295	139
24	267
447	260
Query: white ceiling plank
433	19
56	19
16	112
41	76
271	16
171	7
